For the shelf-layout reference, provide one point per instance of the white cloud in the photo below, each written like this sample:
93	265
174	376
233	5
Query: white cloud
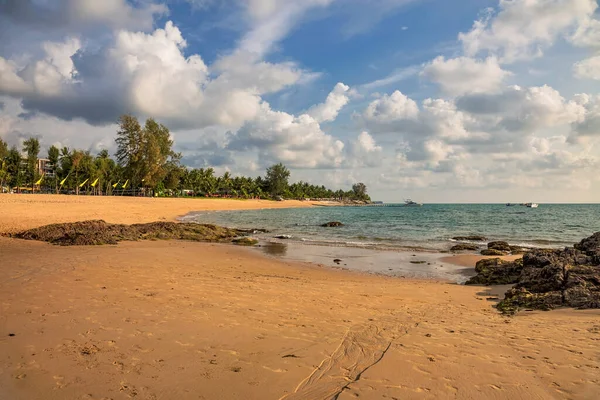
82	14
271	20
461	75
588	68
392	108
523	29
297	141
328	111
364	152
146	74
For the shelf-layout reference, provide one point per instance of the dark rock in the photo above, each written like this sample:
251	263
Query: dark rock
464	246
332	224
98	232
553	278
591	247
282	237
473	238
518	250
337	260
417	262
498	245
492	252
494	271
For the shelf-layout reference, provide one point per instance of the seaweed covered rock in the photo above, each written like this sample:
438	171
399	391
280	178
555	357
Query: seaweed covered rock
493	252
494	271
245	241
332	224
499	245
472	238
98	232
464	246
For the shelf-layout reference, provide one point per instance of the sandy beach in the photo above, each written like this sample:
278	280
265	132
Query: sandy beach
182	320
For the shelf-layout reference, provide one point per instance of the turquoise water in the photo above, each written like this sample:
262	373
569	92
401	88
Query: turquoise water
429	227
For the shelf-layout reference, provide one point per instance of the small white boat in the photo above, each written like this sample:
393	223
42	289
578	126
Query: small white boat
532	205
410	203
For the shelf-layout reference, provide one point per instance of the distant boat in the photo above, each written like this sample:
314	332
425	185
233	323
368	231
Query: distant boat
531	205
509	204
410	203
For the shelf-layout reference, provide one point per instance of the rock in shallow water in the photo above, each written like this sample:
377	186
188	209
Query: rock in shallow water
332	224
464	246
473	238
499	245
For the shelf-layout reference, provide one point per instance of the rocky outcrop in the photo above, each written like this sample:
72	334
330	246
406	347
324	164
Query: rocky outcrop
558	278
545	279
98	232
494	271
464	246
499	245
332	224
473	238
492	252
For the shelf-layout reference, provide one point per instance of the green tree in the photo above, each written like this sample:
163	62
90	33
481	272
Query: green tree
277	179
4	176
360	190
13	168
130	149
145	154
54	157
32	148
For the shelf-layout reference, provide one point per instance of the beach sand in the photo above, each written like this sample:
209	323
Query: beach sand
181	320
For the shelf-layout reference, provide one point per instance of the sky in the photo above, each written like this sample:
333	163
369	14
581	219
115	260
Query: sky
435	100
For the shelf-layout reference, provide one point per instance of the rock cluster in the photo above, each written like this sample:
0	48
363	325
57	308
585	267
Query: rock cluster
98	232
332	224
547	278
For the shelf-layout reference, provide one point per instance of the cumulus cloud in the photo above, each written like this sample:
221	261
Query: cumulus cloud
81	14
364	151
461	75
394	107
523	29
297	141
146	74
588	68
589	125
335	101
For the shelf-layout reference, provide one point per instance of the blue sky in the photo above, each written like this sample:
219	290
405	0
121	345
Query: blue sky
441	101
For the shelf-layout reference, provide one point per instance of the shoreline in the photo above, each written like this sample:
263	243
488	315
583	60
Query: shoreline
227	322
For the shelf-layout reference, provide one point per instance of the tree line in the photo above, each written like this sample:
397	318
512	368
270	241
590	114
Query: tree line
146	164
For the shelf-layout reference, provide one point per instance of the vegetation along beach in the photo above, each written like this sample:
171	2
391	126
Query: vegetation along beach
299	199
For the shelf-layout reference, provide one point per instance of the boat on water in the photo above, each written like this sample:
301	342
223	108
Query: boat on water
531	205
410	203
509	204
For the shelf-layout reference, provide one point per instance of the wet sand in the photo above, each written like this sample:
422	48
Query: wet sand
180	320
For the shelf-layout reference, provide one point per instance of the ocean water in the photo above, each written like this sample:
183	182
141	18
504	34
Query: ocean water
430	227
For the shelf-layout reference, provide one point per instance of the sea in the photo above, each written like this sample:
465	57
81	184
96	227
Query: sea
400	241
429	228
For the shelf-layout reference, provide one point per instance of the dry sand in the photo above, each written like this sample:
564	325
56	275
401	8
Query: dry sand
179	320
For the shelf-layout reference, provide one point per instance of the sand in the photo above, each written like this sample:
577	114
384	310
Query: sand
180	320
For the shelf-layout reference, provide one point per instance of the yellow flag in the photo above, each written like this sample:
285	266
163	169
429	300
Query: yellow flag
64	180
116	184
84	182
125	184
40	180
95	182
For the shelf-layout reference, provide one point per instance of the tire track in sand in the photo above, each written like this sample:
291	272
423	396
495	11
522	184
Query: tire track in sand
362	347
